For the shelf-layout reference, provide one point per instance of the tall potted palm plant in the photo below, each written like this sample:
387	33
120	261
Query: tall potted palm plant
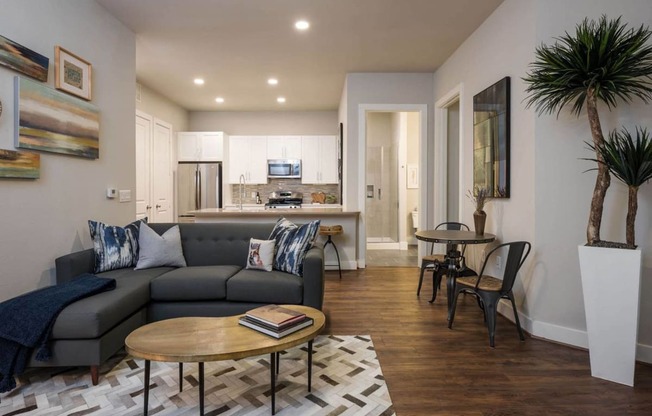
603	61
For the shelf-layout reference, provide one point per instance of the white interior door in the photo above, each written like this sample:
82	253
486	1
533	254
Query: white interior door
162	172
143	165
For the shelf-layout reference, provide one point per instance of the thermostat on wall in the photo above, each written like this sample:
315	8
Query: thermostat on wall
110	193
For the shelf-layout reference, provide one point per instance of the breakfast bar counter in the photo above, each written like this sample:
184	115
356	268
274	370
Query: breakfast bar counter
205	215
346	243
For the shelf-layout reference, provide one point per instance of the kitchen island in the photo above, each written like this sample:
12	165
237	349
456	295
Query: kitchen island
346	242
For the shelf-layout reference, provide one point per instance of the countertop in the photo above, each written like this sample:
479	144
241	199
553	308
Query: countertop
248	211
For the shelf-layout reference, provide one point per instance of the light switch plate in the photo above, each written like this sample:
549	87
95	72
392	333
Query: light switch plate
125	195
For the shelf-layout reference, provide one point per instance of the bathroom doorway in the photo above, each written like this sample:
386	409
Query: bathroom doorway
392	187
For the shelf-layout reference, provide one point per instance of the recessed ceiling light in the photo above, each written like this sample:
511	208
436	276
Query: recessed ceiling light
272	81
302	24
198	81
280	100
219	100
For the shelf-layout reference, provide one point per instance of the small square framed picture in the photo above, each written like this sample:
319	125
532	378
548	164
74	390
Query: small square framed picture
72	74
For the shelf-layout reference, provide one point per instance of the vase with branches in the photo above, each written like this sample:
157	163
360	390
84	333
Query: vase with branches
480	197
603	61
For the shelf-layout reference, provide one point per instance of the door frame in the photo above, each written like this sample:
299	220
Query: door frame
150	121
422	109
440	195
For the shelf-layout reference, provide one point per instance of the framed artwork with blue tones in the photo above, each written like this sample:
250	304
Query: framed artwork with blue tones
23	60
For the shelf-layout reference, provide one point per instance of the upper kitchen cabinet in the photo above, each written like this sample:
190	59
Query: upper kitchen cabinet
319	158
247	157
200	146
283	147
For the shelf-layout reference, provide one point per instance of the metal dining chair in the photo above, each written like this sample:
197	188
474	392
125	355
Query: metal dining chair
489	290
433	262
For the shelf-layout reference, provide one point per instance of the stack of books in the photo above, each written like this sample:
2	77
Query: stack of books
275	321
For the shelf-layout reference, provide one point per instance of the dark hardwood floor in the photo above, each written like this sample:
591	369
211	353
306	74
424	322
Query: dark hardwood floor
431	370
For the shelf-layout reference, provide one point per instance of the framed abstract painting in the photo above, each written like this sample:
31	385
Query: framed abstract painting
50	121
23	60
491	139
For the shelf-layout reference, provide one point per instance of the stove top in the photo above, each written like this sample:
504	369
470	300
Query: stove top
284	202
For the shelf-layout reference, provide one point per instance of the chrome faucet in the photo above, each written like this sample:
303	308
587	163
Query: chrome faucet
242	182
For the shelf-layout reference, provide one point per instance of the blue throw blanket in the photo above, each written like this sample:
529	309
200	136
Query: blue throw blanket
27	320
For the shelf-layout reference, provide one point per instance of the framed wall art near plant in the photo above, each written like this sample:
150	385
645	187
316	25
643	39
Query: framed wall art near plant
21	165
491	139
51	121
72	74
23	60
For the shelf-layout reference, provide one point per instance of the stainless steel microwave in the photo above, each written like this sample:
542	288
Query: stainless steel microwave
284	168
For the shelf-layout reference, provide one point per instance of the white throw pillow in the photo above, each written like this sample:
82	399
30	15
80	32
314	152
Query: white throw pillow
159	250
261	254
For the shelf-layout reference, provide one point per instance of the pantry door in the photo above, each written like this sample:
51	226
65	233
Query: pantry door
162	171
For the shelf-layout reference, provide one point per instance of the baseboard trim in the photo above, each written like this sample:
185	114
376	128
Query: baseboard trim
563	335
346	265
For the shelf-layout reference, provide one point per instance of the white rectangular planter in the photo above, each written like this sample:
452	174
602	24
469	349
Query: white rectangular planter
610	283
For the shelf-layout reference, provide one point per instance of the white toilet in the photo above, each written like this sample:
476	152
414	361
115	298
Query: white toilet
415	219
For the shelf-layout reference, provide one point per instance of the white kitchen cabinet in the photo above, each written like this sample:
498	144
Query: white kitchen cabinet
283	147
248	157
200	146
319	160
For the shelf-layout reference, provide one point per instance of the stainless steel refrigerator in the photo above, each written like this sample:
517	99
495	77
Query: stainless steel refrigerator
199	186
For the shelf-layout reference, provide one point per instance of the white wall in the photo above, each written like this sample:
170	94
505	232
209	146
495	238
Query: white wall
379	88
550	193
156	105
395	92
563	190
46	218
266	122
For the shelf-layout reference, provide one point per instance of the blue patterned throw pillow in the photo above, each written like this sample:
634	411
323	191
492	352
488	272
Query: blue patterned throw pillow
292	244
115	247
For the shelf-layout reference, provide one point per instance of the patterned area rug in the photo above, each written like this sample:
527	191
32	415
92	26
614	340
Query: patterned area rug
346	380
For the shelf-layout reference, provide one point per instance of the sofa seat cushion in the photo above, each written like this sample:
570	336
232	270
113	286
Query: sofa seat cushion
93	316
193	283
265	287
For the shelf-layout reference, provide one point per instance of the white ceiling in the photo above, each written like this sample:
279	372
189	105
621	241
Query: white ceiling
235	45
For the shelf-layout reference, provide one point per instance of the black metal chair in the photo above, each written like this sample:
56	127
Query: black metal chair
433	262
489	290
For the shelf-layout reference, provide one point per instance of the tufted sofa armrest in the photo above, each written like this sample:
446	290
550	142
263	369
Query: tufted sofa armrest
313	277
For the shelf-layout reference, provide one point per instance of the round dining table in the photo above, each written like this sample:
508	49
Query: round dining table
452	238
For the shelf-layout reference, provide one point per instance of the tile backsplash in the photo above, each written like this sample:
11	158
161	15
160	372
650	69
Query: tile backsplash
294	185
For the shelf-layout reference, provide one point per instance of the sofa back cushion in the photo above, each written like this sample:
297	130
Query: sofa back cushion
217	244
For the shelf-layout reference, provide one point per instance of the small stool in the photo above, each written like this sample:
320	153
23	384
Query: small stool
331	230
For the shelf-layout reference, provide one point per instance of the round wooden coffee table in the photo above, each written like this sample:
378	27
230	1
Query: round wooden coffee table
200	339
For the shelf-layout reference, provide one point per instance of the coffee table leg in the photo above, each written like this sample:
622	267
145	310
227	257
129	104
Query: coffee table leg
180	377
272	371
146	392
201	389
310	365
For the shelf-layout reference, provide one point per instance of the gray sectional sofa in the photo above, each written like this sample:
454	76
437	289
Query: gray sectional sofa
215	283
